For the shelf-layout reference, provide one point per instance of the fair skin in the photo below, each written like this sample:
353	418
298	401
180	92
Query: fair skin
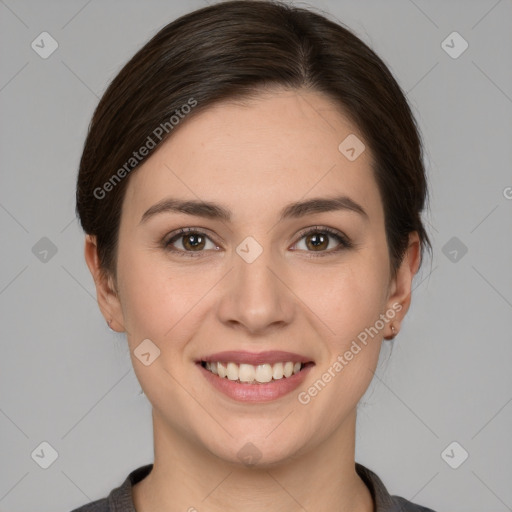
254	160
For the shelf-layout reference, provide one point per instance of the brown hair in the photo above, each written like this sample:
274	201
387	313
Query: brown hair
230	51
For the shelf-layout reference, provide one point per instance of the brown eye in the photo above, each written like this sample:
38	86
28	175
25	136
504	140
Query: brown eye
193	242
189	241
319	240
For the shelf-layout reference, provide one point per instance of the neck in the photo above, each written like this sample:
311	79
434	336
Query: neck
186	477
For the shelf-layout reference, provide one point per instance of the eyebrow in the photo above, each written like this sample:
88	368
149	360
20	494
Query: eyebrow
216	211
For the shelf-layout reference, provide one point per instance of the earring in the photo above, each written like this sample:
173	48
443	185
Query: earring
394	331
108	323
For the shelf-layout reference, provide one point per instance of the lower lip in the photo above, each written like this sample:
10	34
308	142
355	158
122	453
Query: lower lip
255	392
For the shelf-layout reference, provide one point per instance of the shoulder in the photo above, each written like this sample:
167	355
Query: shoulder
403	505
385	502
120	498
95	506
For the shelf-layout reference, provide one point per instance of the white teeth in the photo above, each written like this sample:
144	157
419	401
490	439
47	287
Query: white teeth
288	369
246	373
264	373
221	370
232	371
277	371
253	373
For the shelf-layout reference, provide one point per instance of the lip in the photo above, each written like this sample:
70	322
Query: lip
260	392
244	392
241	357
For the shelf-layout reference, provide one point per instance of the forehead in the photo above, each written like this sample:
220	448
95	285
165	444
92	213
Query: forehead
277	148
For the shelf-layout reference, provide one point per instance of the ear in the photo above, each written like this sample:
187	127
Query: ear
106	293
400	287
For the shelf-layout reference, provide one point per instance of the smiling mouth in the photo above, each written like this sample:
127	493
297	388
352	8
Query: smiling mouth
254	374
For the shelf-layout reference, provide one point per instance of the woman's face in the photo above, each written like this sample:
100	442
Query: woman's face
253	282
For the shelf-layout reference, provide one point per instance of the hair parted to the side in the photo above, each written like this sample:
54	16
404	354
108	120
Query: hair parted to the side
231	51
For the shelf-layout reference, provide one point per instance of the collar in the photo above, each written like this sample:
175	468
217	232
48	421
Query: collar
120	498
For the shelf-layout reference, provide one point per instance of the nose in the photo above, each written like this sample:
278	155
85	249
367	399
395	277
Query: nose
256	297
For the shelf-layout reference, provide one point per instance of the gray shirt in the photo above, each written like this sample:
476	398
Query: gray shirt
120	498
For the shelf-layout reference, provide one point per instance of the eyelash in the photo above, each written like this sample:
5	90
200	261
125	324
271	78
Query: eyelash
345	243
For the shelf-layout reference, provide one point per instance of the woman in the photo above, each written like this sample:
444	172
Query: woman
251	190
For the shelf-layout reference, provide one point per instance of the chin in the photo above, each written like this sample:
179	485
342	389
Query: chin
256	452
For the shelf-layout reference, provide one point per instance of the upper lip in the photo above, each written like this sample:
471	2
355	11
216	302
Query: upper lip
254	358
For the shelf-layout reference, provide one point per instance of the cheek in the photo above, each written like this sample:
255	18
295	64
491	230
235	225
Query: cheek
347	298
152	300
155	306
348	302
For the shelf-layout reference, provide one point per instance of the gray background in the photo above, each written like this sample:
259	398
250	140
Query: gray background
67	380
